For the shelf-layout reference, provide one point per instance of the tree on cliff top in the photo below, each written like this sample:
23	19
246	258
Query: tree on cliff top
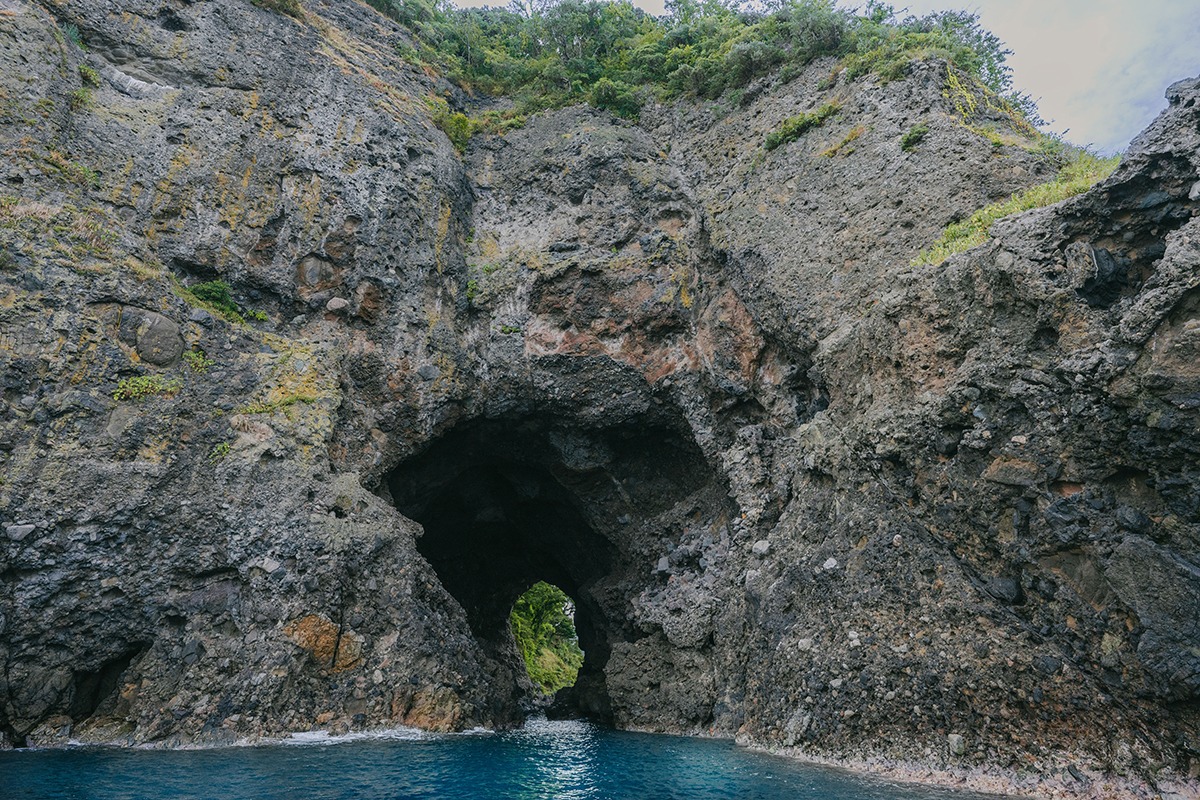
549	54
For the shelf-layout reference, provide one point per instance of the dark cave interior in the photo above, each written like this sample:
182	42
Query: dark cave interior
507	502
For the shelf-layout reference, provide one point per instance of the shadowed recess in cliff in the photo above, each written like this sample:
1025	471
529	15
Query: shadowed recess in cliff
509	502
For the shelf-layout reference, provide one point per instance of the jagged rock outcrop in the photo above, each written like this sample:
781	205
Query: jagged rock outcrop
803	492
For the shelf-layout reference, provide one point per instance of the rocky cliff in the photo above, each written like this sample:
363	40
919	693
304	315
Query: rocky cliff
803	492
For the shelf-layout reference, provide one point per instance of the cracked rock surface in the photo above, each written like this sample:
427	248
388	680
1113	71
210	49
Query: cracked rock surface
802	492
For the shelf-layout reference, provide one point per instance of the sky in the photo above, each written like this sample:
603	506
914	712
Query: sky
1097	68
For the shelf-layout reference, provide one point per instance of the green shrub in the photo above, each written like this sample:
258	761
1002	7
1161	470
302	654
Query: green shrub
793	128
89	76
216	294
616	97
140	386
1084	171
198	360
71	31
913	137
79	99
455	124
198	296
497	122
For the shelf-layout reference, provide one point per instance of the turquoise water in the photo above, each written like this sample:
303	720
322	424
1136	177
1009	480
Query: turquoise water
545	761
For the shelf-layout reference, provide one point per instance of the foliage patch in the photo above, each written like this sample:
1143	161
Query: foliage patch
913	137
89	76
216	297
616	56
543	625
198	361
793	128
290	7
139	386
843	148
74	237
1083	172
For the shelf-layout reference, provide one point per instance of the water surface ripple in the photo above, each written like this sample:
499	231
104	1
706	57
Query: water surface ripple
544	761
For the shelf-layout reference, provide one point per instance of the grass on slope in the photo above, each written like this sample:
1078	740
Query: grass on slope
1082	173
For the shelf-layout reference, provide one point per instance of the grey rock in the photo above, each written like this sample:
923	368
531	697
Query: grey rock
761	547
156	338
1007	590
1047	665
18	532
957	744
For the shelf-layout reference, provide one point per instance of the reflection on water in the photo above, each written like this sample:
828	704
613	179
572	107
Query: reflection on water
544	761
565	761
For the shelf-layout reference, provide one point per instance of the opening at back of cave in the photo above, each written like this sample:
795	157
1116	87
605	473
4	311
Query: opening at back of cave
543	625
573	511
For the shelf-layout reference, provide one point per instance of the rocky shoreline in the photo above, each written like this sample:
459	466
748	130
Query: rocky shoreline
1056	783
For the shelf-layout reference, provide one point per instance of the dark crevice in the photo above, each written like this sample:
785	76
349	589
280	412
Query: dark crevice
1122	236
92	687
171	21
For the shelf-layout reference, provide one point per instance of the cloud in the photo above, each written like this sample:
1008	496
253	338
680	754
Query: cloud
1098	68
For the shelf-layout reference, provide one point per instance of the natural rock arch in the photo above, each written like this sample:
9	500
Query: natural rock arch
508	501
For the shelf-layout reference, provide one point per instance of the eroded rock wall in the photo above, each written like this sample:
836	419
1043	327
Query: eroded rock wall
811	495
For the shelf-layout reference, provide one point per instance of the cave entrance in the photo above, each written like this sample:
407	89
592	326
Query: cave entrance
543	626
506	503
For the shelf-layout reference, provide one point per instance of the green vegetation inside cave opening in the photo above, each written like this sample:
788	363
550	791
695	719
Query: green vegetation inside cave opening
543	624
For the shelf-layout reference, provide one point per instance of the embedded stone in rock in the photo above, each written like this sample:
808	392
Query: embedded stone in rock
19	532
156	338
1007	590
329	644
1014	472
314	274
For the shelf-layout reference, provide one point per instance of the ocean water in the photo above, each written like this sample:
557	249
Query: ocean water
544	761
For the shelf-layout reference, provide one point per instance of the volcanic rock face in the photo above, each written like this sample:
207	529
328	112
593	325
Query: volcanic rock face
801	491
